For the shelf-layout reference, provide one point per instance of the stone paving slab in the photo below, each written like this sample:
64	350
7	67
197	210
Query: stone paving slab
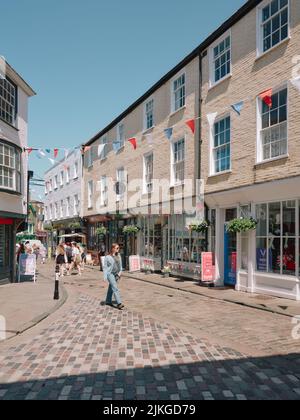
25	304
267	303
96	352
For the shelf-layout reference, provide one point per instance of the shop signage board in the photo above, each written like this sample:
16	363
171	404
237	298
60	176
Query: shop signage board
27	266
147	263
8	222
261	259
134	263
208	268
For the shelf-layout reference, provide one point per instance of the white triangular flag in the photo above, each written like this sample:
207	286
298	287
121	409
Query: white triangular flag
149	138
211	118
296	82
101	148
52	161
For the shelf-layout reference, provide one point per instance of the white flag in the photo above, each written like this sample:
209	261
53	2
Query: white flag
296	82
211	118
52	161
100	149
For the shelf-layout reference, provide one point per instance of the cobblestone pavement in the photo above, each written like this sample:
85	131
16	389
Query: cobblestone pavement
95	352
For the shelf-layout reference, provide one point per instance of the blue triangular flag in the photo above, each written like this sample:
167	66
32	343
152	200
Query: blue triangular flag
238	107
48	150
116	146
169	132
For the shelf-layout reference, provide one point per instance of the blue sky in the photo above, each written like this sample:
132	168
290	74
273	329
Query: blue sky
89	60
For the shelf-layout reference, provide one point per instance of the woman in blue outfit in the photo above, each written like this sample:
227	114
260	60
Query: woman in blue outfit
112	273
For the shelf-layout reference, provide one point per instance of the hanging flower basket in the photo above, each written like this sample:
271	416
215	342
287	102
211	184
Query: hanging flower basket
241	225
101	231
200	227
75	225
131	230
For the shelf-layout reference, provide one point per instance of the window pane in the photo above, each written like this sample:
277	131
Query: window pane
289	257
261	217
275	219
289	218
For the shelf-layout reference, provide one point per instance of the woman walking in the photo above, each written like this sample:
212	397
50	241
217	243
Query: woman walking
76	258
61	259
112	273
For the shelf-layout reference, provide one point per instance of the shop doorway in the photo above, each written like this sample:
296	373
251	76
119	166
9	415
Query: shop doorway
230	251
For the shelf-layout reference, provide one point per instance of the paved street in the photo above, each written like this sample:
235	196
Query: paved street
166	345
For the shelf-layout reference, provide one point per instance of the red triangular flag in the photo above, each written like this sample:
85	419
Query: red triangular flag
55	153
266	96
191	124
87	148
133	142
29	150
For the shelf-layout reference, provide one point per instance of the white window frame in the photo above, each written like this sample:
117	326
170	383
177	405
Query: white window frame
103	191
10	167
145	183
104	140
118	172
61	209
175	183
50	212
121	134
61	178
213	171
173	92
8	102
76	169
90	158
259	29
76	205
212	80
68	207
259	148
146	113
68	175
90	194
55	211
55	182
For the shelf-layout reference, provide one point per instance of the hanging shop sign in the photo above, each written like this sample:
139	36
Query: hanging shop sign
6	221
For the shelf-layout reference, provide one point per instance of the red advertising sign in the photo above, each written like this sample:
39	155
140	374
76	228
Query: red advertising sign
208	268
233	262
134	263
6	221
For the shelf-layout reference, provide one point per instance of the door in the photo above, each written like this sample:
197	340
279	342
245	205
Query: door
230	252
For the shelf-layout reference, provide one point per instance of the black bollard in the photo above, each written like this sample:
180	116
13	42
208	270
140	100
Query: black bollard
56	289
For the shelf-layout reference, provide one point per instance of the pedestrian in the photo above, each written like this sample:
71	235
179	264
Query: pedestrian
21	251
68	249
76	258
112	274
61	259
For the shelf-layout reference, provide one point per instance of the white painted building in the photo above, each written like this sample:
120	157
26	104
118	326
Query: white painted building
63	205
14	95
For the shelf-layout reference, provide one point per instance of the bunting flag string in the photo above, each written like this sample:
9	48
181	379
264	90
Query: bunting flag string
169	132
191	125
133	142
266	96
238	107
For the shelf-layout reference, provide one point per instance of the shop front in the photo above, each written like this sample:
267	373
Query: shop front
8	247
265	259
153	242
184	247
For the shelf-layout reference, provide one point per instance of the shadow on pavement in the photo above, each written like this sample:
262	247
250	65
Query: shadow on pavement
267	378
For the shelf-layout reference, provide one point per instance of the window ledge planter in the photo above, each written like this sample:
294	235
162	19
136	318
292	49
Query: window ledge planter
241	225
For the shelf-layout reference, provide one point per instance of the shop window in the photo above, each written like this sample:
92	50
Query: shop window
184	246
277	237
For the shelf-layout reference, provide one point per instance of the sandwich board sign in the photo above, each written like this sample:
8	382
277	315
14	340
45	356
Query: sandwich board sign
27	266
